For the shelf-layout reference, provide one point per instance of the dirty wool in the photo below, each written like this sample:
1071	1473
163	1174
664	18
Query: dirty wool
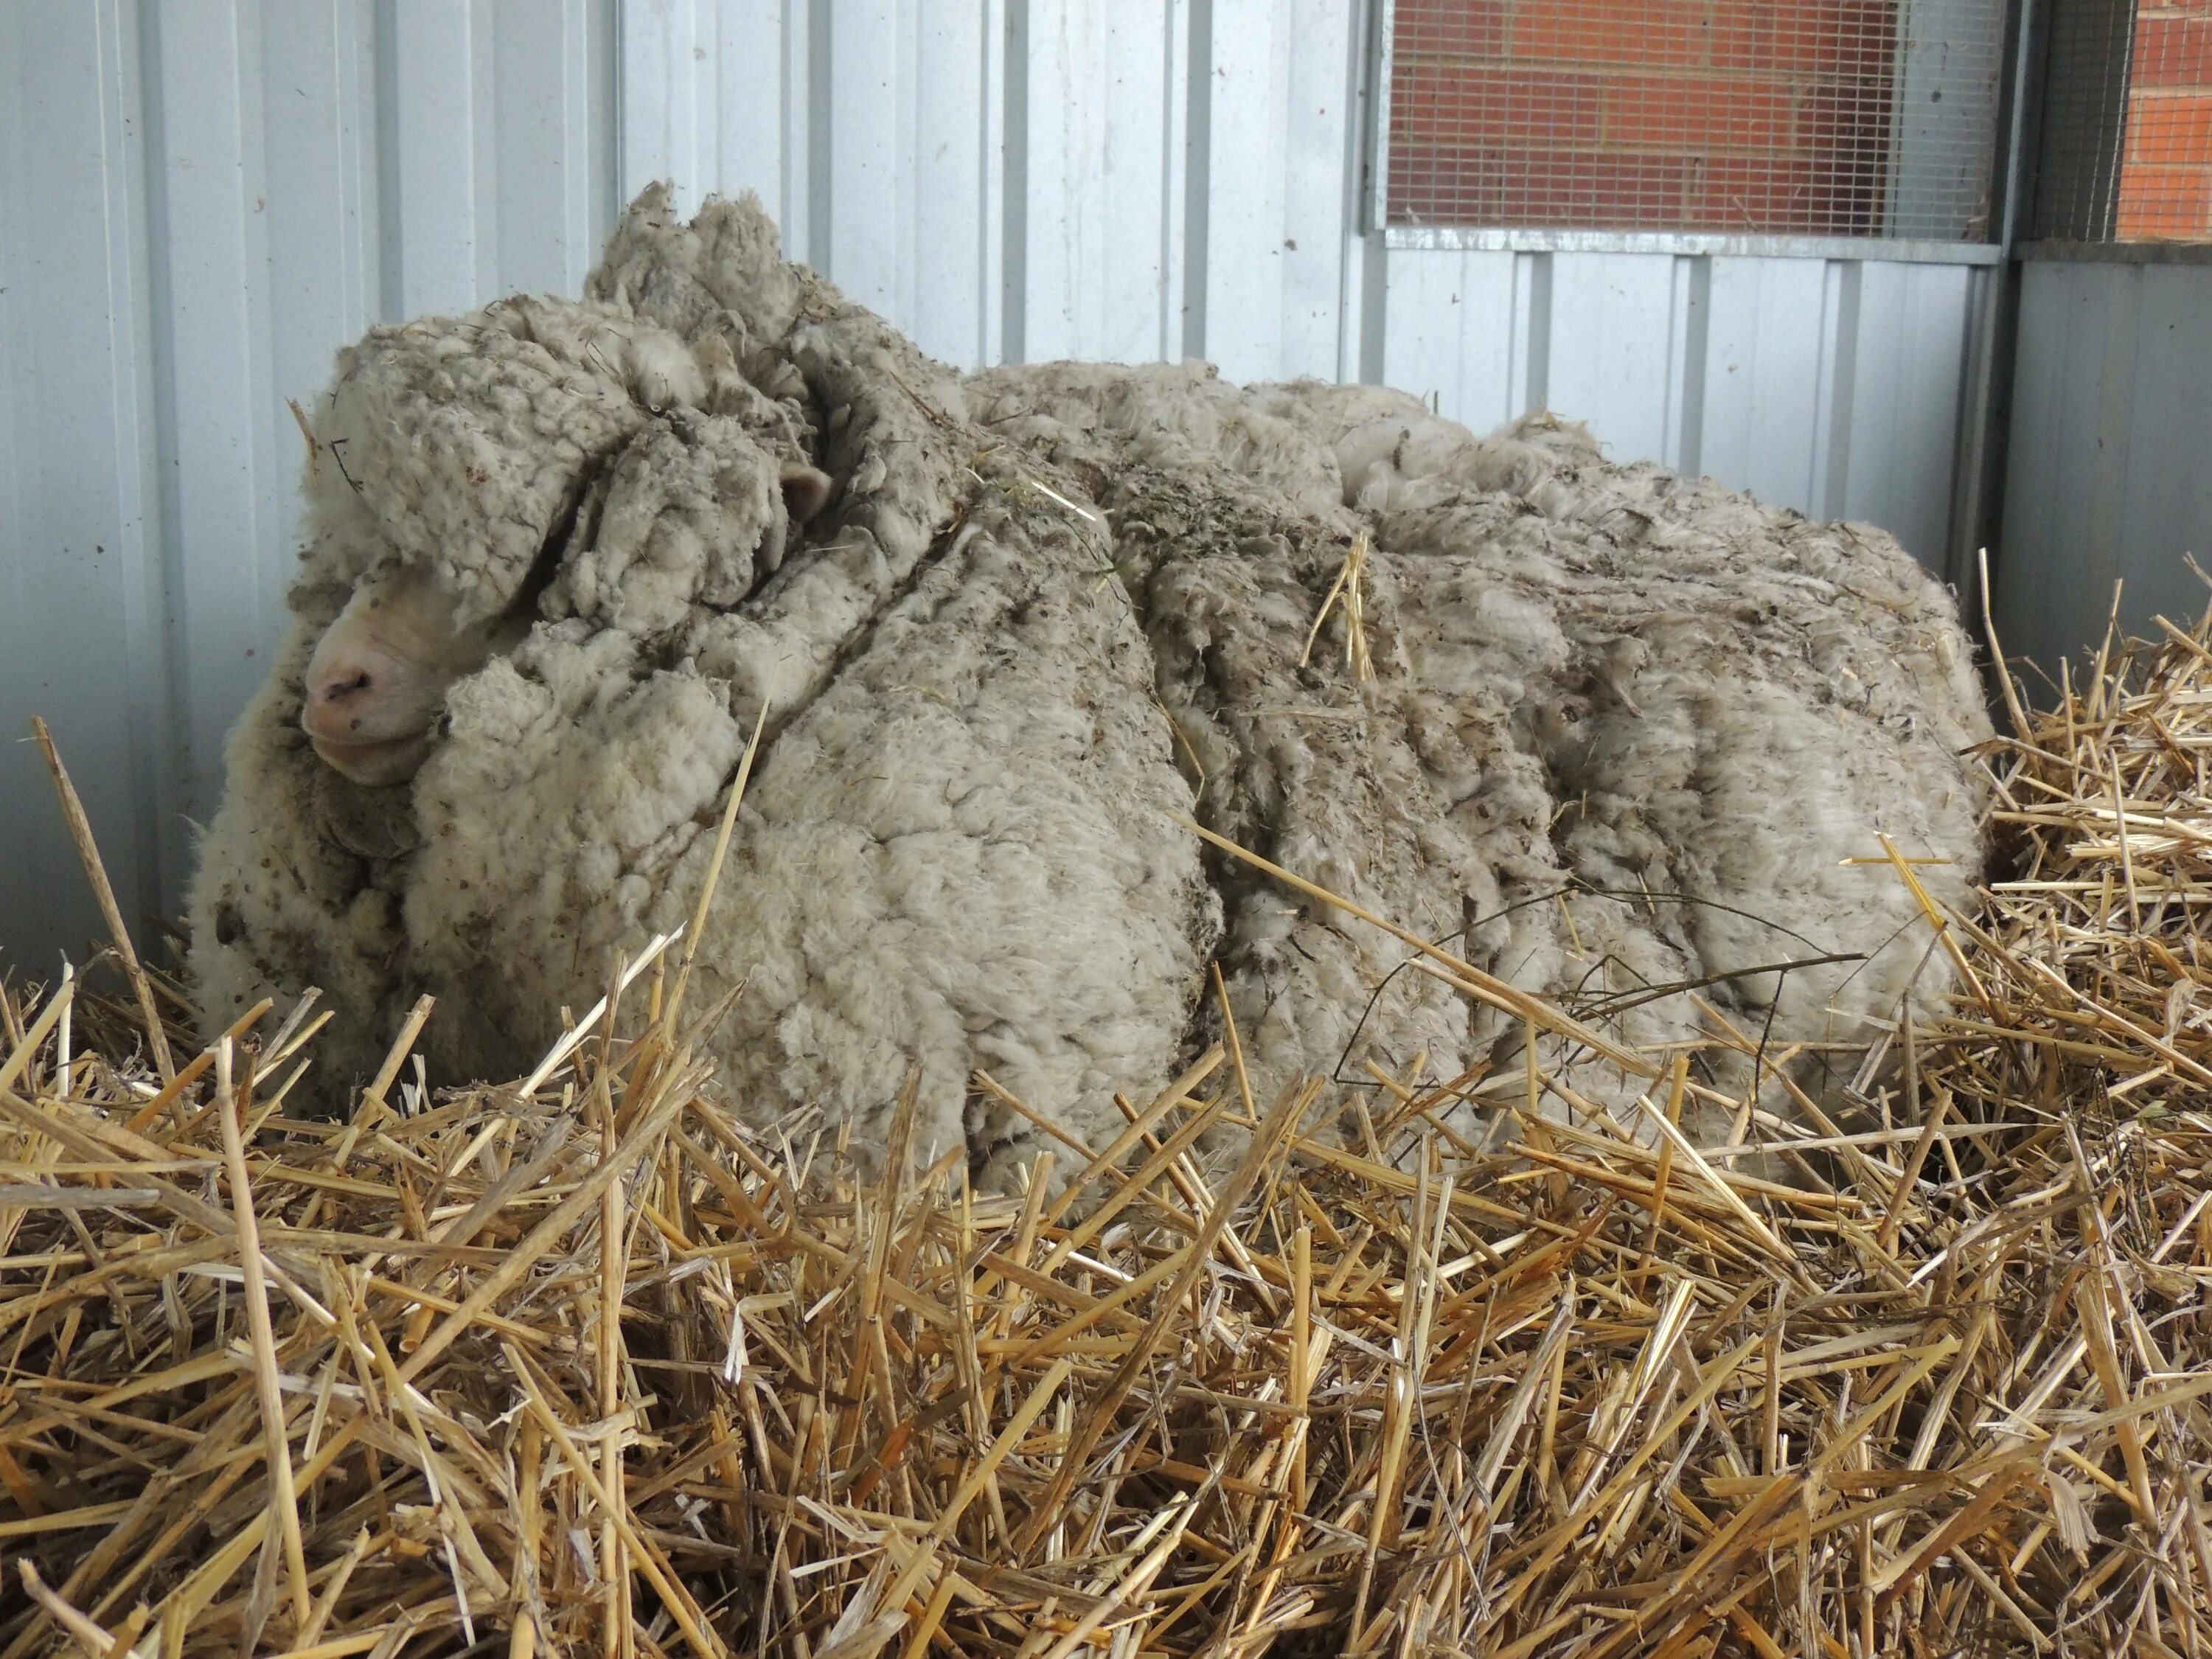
1088	683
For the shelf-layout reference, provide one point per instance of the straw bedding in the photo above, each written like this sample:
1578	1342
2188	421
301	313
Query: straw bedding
580	1365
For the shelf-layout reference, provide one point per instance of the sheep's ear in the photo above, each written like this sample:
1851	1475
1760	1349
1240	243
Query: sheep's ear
807	491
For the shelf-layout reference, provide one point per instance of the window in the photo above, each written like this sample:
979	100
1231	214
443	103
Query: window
2166	181
1768	118
2126	153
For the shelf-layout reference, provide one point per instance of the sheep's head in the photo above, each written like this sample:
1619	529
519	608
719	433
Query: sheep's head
376	683
379	675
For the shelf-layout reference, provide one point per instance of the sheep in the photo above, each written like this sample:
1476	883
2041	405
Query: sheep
959	848
1004	636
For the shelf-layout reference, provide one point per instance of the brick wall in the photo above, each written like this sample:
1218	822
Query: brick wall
1757	116
2166	183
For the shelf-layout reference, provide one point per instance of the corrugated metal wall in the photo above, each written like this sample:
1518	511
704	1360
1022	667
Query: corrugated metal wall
201	199
1835	387
2110	472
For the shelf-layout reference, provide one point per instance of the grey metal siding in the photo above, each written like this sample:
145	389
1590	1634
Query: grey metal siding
2110	478
200	200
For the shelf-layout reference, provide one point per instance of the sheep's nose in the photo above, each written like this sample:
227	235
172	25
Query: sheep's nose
343	686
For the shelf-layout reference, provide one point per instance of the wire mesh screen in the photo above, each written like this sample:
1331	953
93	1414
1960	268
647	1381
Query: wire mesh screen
2126	152
1791	117
2166	185
2085	109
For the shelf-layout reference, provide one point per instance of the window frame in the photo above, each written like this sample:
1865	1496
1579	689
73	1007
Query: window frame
1462	238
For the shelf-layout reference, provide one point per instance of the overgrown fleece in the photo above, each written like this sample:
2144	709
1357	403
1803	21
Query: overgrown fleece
1051	612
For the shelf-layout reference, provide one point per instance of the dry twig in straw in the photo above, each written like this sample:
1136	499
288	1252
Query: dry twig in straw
1349	587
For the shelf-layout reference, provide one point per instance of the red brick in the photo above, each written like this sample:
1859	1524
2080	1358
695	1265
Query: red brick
1661	127
2171	129
1698	111
1640	34
1596	191
1538	188
2174	51
2159	202
1785	196
1456	28
1431	184
1452	105
1572	189
1847	123
1831	37
1851	193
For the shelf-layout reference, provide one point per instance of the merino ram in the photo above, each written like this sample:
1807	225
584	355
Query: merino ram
1607	734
